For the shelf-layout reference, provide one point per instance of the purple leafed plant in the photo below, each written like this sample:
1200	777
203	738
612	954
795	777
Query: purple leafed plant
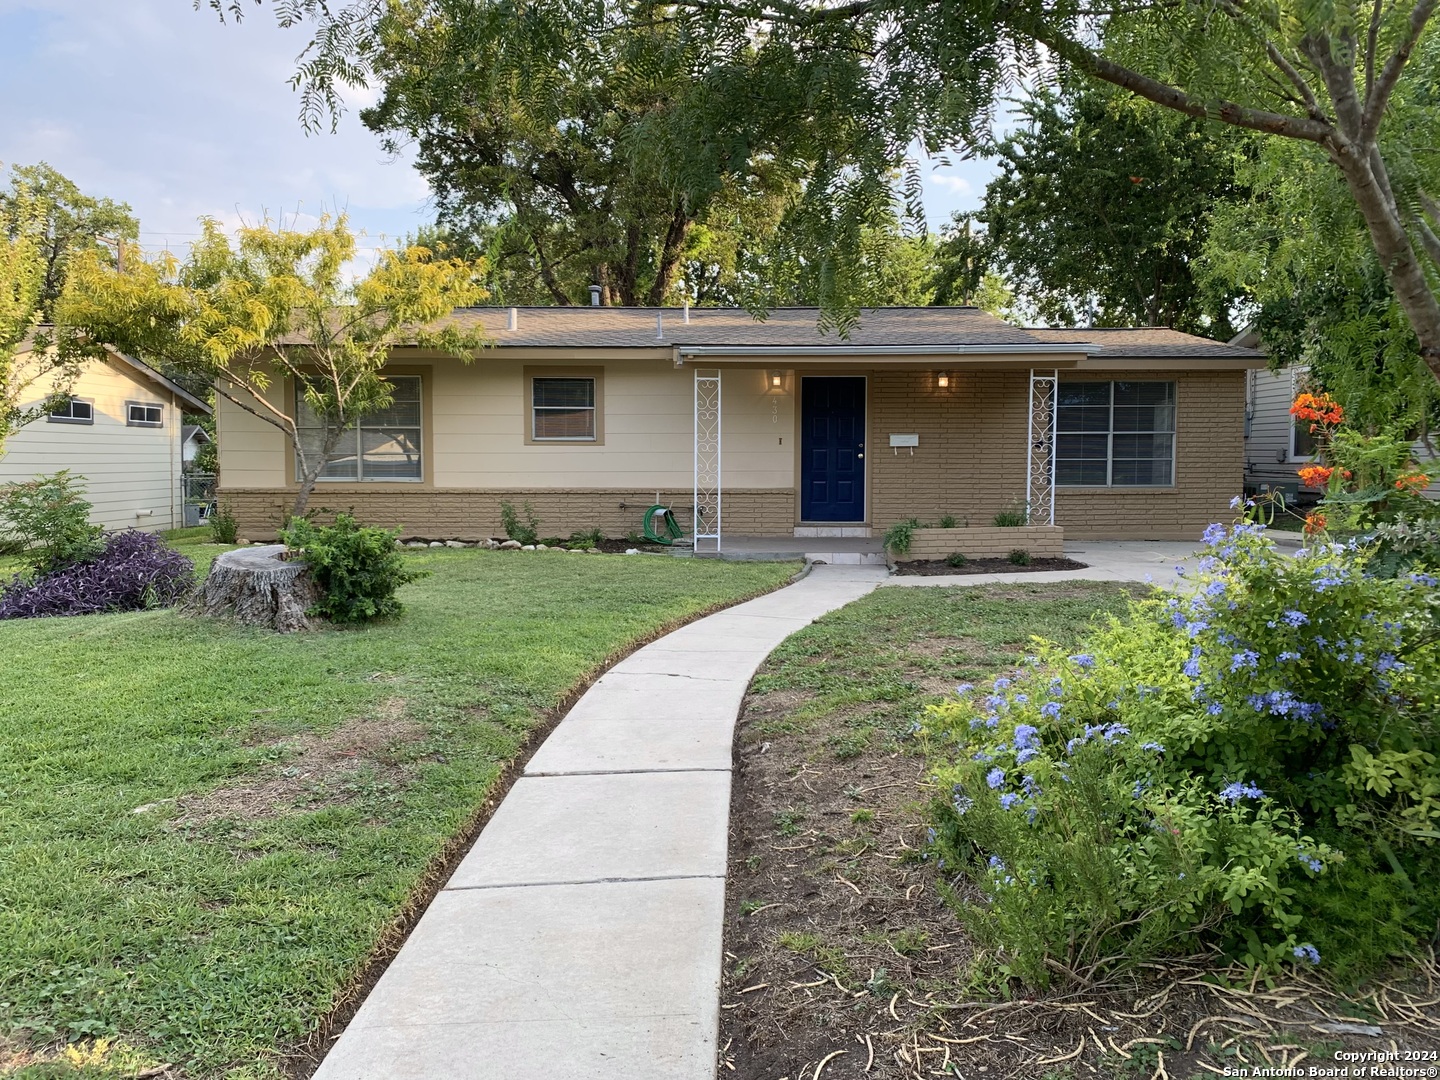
135	570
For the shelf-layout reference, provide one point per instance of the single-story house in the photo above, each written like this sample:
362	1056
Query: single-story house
770	428
120	432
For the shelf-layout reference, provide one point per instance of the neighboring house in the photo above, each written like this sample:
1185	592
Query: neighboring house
192	438
121	433
772	429
1277	447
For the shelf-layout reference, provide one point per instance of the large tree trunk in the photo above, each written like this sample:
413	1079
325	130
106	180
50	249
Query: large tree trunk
1397	254
256	587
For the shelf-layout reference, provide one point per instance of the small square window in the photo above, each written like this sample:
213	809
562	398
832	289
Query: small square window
73	411
144	414
563	409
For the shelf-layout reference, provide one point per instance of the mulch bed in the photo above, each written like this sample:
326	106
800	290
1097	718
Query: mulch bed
937	567
843	960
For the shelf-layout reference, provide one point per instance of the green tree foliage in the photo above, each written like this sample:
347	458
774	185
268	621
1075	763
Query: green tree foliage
277	310
882	73
45	222
67	222
1295	246
1102	206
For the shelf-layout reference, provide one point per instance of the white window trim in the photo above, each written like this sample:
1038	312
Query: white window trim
51	418
130	421
594	409
1110	442
360	477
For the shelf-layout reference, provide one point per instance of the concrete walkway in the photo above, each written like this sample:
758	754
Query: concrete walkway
581	937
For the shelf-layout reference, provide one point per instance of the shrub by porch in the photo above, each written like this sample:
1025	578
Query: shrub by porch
986	542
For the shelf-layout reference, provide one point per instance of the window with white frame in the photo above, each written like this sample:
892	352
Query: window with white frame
562	409
1115	434
384	445
1302	442
144	414
73	411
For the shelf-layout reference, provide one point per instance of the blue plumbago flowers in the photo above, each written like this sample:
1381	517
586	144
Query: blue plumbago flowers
1307	953
1315	865
1155	746
1010	800
1001	683
1233	793
997	863
1295	618
1051	710
1084	660
964	688
1026	736
1245	658
995	778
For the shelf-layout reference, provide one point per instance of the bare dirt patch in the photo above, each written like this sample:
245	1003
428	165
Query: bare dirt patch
313	770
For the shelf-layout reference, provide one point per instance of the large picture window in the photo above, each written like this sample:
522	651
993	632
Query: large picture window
562	409
383	446
1115	434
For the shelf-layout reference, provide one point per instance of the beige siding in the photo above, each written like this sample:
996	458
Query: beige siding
476	424
131	474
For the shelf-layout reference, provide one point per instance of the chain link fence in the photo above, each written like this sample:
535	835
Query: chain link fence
197	496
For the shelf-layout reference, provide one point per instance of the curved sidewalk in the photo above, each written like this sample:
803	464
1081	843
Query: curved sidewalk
581	937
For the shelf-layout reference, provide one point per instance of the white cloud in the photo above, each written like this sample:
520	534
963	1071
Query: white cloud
957	184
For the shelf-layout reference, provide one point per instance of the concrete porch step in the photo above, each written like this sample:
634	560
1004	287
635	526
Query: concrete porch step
857	531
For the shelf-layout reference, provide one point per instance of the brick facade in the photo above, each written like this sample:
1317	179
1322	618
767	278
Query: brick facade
971	459
987	542
475	515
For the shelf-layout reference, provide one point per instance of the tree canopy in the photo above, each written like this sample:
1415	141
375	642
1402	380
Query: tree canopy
45	223
1338	77
1102	207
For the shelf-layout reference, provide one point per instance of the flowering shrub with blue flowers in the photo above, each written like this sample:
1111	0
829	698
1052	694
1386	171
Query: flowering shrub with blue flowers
1226	768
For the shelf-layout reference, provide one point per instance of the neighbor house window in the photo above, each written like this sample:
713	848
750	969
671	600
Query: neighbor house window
1302	442
384	445
1115	434
144	414
562	409
73	411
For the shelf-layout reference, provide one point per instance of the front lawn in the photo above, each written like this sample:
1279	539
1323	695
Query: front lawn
206	830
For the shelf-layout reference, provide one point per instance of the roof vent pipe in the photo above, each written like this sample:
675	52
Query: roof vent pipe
594	295
687	311
659	325
513	322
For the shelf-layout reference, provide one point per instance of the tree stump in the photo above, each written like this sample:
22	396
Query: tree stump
256	587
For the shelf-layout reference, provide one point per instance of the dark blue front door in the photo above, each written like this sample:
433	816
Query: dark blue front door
832	449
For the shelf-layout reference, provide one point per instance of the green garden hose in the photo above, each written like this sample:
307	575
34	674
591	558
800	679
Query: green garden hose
669	530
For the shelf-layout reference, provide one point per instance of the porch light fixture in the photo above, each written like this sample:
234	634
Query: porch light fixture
942	380
777	380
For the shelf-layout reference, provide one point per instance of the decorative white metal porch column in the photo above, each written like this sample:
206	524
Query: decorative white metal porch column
1040	448
707	457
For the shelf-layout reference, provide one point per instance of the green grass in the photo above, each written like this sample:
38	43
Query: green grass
877	660
215	945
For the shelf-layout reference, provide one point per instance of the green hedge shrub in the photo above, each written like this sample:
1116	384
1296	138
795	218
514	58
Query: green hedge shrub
48	519
1251	766
357	566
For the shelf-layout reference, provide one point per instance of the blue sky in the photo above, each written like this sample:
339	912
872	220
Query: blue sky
155	104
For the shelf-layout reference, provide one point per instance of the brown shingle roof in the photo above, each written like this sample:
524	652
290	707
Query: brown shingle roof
616	327
1144	341
626	328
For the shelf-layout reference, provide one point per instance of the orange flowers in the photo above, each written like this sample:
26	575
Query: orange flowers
1315	477
1314	523
1319	409
1412	483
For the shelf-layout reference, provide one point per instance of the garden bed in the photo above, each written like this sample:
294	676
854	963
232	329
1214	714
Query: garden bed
941	568
216	842
840	948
